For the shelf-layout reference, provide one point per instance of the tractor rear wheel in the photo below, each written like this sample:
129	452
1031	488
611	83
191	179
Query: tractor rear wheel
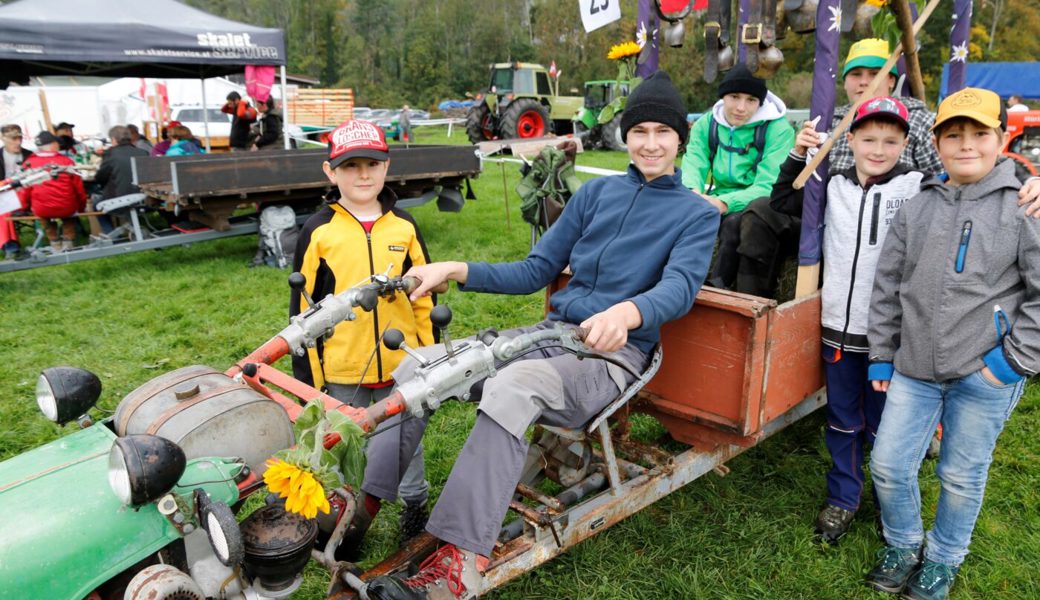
525	118
479	127
611	137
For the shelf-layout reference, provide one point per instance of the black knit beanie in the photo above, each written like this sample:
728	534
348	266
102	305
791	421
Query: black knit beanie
657	100
740	80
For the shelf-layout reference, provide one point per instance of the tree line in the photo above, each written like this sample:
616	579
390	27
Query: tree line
420	52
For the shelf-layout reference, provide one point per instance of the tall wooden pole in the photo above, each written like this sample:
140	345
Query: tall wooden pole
913	64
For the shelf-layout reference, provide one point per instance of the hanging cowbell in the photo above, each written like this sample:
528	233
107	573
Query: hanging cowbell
675	32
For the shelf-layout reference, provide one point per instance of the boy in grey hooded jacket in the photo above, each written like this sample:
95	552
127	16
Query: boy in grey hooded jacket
953	333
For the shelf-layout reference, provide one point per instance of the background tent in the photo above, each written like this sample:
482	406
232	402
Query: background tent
1004	78
116	38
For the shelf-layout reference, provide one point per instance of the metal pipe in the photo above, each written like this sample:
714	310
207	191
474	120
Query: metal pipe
285	116
205	114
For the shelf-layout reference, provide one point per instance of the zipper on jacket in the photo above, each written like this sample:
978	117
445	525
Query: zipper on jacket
874	219
855	262
375	311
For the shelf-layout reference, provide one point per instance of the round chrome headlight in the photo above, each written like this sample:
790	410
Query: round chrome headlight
143	468
118	478
45	398
66	393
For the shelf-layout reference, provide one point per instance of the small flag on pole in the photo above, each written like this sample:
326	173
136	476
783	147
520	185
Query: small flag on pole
552	70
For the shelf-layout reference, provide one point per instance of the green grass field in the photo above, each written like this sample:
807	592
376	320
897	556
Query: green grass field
746	535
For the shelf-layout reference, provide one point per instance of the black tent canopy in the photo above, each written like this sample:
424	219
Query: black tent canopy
127	38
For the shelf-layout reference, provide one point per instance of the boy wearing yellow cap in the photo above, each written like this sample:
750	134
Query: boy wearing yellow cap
954	331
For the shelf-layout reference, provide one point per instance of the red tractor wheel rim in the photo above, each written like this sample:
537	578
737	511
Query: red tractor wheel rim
487	128
530	125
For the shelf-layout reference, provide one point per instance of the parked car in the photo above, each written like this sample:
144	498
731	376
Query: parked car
192	117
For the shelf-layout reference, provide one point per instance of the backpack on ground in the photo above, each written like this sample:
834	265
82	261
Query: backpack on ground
278	234
547	184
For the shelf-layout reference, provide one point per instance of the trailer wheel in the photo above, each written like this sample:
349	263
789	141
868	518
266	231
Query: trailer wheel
478	124
525	118
611	137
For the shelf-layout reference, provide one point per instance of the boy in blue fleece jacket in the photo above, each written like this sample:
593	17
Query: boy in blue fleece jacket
639	245
953	334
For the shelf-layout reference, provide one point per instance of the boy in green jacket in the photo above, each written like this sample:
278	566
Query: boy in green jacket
734	157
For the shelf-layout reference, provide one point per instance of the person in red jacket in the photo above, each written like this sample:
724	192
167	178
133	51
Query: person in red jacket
58	198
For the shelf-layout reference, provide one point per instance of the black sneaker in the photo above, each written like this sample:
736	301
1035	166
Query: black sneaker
833	522
894	567
931	582
413	518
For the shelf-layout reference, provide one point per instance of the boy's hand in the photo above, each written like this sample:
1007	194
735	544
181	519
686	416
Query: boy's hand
1030	194
880	385
807	138
436	275
721	206
608	330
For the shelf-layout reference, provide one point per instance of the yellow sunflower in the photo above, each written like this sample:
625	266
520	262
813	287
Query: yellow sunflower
877	3
303	493
623	50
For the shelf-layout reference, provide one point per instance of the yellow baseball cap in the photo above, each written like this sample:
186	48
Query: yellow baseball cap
976	104
871	53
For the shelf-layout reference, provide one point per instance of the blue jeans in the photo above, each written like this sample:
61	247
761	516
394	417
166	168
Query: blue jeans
973	412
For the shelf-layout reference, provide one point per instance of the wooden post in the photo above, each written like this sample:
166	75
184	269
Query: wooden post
913	64
811	165
46	112
505	194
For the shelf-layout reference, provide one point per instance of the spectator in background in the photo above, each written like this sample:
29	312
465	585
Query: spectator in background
13	156
66	142
269	128
60	197
163	145
242	115
183	143
1014	104
404	124
115	175
138	140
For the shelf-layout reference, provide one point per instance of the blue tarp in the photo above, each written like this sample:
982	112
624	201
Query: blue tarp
1004	78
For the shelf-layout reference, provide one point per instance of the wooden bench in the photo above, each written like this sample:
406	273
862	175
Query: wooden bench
29	218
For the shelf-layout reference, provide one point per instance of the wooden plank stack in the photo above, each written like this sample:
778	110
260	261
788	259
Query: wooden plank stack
320	107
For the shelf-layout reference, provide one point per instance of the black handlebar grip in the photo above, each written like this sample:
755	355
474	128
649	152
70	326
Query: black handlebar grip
393	339
440	316
367	299
297	280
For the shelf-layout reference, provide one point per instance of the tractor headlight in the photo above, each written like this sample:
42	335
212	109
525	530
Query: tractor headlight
142	468
65	393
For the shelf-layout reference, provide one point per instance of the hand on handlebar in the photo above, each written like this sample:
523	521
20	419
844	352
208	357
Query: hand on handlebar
608	330
434	277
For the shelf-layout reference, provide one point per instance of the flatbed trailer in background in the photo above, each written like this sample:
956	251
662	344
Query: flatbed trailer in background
208	189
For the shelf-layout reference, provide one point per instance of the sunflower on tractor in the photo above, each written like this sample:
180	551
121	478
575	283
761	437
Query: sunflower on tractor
520	102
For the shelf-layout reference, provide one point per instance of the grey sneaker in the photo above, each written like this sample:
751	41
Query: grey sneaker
833	522
931	582
894	567
450	573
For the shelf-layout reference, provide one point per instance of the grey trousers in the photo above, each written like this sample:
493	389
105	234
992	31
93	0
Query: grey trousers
547	386
413	487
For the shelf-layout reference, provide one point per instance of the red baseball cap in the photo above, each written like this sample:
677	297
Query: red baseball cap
883	107
357	138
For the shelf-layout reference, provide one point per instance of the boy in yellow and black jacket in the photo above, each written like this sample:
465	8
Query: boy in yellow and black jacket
356	234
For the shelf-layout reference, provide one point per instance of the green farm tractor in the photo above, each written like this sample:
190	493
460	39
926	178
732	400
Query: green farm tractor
521	102
598	122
